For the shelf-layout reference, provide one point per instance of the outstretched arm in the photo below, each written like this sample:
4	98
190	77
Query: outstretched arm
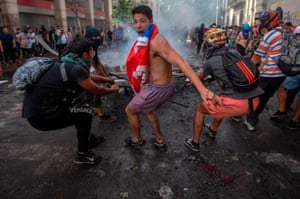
101	79
161	46
91	86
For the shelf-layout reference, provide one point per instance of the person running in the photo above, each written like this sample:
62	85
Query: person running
149	70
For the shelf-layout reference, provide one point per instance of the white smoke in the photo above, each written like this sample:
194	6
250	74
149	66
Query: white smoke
174	22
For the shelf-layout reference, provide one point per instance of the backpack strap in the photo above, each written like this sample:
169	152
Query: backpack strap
63	72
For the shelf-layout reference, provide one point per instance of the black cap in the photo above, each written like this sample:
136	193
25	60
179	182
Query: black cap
91	32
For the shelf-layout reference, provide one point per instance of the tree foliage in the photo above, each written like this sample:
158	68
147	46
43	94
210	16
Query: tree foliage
122	12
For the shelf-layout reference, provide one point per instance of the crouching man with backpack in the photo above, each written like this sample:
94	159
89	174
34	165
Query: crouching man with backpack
57	99
233	98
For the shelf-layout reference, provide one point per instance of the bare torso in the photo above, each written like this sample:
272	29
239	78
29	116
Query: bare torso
159	71
240	40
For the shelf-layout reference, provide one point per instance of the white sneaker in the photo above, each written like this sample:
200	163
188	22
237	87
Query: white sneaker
249	126
236	118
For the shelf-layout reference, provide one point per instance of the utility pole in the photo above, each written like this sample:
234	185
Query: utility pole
217	12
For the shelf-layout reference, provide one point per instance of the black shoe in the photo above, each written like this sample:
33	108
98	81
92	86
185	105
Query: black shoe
292	125
189	143
279	115
87	158
160	146
95	141
209	132
129	142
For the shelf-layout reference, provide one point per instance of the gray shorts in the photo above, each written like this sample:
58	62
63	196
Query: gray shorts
151	97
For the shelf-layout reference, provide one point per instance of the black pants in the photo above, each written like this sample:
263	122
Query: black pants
270	85
241	49
81	120
9	53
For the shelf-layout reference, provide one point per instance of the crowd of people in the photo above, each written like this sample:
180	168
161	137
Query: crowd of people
24	43
46	108
263	44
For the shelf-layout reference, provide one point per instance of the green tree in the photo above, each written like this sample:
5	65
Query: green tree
122	12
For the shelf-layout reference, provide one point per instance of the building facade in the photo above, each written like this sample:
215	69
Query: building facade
237	12
64	13
79	13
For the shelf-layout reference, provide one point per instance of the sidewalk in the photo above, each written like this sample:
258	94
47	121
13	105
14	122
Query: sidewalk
238	164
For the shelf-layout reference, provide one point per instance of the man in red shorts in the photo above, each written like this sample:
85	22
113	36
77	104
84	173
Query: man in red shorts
230	102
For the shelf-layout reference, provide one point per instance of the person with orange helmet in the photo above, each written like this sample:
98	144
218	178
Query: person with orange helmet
230	102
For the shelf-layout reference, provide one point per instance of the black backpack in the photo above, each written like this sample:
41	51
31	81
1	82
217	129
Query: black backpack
241	72
289	61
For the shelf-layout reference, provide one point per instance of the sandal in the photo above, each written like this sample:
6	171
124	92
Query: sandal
160	146
95	141
129	142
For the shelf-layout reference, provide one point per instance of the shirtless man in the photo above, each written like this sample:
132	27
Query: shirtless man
243	39
158	83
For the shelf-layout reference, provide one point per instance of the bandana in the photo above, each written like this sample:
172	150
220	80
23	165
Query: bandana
75	59
137	60
245	34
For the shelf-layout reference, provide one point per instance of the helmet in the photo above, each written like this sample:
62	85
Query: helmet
297	30
215	36
246	27
271	19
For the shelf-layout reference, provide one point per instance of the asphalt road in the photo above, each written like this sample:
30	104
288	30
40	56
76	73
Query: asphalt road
237	164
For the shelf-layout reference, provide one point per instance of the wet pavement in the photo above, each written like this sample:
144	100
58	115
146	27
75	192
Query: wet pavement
237	164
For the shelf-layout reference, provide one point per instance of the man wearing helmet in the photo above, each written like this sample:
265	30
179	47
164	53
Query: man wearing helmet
266	57
230	102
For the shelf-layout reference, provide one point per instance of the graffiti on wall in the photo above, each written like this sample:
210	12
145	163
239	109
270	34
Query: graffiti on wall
290	10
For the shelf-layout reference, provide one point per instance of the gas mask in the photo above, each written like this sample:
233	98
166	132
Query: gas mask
268	21
263	29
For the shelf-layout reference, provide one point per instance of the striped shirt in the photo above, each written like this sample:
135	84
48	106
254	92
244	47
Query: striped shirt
269	49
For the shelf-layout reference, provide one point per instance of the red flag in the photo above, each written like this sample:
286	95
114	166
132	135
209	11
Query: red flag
137	60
